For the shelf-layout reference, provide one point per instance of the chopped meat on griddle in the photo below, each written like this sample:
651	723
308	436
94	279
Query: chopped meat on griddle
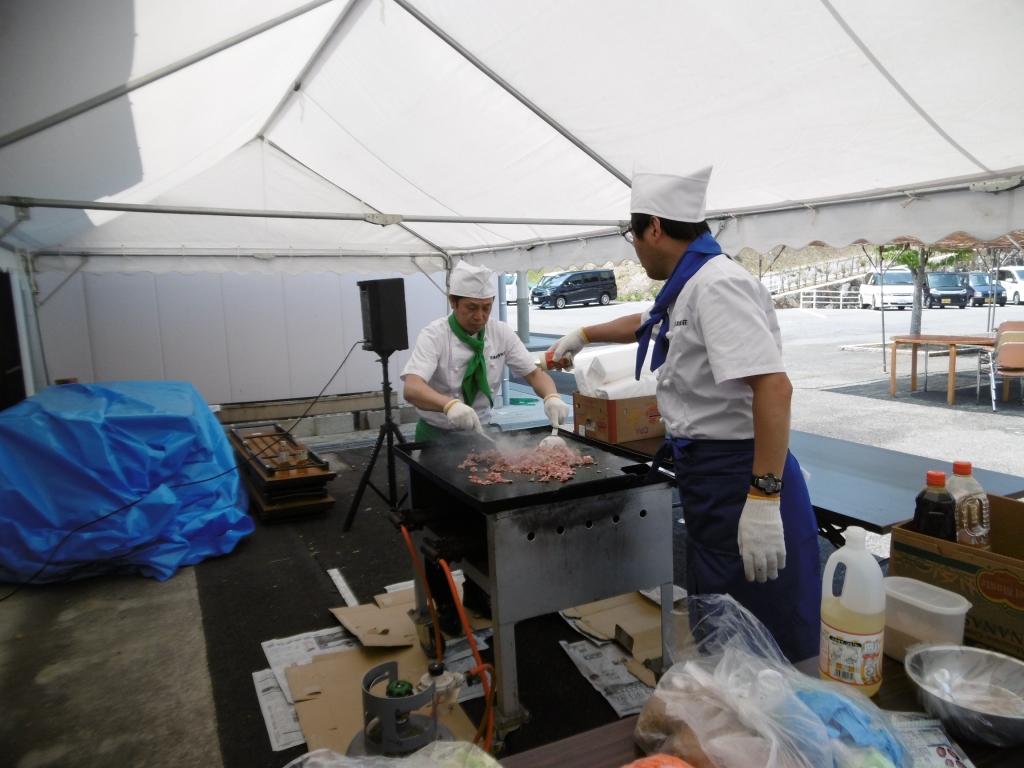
548	463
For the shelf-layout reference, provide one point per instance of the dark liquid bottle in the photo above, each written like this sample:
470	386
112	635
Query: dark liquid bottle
935	514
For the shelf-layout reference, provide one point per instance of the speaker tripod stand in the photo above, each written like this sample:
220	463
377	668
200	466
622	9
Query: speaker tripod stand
389	431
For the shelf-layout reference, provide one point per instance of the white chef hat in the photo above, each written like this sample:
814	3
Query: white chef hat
472	282
667	196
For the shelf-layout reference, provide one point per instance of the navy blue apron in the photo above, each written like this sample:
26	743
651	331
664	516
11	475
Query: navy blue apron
713	477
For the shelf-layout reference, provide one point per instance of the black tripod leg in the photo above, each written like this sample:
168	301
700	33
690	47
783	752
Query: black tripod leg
364	480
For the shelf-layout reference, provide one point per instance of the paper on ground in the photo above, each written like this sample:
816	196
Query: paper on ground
458	657
343	588
927	741
605	668
281	720
301	649
591	637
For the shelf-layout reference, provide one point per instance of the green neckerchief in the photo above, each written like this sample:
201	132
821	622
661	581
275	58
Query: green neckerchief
475	378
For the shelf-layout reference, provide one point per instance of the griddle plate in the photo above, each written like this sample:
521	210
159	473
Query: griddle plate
438	462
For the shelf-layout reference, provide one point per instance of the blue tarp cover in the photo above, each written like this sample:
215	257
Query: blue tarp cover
71	454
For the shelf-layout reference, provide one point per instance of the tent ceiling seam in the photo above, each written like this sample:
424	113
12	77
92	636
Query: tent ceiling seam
139	82
304	75
412	232
899	88
516	94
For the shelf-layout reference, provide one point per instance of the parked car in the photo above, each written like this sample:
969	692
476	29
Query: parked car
947	289
584	287
981	284
1012	280
896	291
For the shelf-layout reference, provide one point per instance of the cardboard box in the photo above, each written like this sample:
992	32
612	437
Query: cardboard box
992	580
378	626
617	421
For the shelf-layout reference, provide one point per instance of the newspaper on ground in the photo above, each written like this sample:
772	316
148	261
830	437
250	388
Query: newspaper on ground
928	741
280	717
458	657
301	649
605	667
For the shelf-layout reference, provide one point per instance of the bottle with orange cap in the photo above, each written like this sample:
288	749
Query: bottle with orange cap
935	511
972	517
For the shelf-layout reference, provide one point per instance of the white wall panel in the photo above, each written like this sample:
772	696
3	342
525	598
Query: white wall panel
235	337
316	338
64	322
124	329
257	337
193	334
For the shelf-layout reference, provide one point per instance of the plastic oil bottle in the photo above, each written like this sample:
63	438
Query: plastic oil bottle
972	518
853	622
935	509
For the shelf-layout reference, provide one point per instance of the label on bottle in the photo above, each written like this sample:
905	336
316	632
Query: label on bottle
849	657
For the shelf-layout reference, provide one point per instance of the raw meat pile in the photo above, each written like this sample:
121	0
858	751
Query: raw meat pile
558	463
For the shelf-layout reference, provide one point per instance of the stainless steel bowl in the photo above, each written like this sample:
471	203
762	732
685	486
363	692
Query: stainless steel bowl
978	694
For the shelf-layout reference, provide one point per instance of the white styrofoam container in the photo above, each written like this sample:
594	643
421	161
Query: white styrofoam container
916	612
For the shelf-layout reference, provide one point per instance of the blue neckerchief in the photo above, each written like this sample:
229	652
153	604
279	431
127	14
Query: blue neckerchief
696	256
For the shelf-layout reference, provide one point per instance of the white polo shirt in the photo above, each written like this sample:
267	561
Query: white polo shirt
441	358
723	329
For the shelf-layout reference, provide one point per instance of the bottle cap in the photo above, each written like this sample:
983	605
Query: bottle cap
937	478
961	467
855	536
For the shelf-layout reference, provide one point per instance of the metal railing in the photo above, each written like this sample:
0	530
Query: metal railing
831	271
822	298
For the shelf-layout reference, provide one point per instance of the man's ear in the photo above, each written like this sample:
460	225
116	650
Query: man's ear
655	227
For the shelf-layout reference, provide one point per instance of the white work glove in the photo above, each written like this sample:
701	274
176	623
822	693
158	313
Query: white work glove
572	342
556	409
760	538
461	416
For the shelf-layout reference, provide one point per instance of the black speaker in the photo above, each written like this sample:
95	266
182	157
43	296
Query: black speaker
383	306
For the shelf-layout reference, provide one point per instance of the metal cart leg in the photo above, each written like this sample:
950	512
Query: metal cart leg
667	594
508	712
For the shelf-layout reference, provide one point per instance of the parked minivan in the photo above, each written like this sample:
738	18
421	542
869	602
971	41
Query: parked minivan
897	291
1012	279
584	287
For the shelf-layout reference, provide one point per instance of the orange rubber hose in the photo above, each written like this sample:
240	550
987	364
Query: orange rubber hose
489	711
426	590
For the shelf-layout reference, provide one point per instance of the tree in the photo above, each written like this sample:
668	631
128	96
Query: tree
918	260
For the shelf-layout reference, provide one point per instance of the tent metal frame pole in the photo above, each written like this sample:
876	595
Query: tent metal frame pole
132	85
382	219
345	15
416	14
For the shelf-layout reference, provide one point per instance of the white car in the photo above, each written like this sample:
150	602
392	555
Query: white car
1012	280
897	291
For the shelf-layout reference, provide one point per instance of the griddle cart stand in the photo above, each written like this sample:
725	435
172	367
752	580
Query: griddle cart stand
545	547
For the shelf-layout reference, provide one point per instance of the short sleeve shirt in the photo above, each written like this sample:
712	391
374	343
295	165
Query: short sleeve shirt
723	329
440	358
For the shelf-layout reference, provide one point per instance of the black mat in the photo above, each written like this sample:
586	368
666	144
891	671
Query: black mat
938	376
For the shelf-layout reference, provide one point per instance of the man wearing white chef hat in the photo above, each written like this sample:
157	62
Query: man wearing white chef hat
725	399
457	363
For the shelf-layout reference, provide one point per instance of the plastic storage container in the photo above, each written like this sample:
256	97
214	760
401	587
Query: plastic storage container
916	612
853	622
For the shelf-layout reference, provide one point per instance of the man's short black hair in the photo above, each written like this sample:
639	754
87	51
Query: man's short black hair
680	230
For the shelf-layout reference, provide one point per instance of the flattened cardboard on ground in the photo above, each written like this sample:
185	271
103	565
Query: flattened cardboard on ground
626	616
328	696
407	599
992	581
378	626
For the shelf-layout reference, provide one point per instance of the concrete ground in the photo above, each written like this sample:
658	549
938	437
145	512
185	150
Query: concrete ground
113	671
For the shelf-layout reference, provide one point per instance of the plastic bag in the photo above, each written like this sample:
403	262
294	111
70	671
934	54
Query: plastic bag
73	453
732	700
440	754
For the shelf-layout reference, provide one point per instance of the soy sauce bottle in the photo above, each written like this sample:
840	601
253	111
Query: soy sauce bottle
935	512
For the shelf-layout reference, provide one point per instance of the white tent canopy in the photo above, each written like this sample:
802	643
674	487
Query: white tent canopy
826	120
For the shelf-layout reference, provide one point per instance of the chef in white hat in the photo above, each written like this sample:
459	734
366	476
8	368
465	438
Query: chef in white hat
725	398
457	362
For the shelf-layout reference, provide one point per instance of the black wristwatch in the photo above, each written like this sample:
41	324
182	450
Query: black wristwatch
768	484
